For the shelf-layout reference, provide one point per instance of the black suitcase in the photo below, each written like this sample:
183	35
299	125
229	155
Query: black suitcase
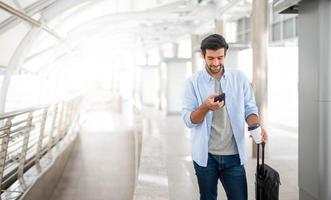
267	179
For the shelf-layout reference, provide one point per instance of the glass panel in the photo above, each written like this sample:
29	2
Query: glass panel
240	38
43	42
288	27
247	37
184	47
9	41
248	23
240	25
296	26
10	3
27	3
3	15
43	52
276	32
276	17
23	91
231	31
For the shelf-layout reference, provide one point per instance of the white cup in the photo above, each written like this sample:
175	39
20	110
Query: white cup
257	135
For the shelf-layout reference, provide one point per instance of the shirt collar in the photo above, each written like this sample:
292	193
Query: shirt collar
207	76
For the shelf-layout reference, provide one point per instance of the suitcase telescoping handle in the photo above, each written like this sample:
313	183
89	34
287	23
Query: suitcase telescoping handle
258	158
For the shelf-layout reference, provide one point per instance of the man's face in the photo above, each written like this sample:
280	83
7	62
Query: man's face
214	60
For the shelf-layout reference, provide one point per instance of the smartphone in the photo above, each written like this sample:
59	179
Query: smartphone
220	97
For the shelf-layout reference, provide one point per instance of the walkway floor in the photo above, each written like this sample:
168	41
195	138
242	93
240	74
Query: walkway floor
102	163
182	184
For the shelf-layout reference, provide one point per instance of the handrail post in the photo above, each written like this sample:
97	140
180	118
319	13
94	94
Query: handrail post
26	136
4	148
60	125
72	111
67	119
41	137
51	139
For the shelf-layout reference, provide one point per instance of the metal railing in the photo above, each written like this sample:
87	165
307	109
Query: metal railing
27	135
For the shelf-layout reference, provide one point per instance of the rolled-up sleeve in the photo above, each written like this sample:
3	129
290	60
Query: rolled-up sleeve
250	104
189	103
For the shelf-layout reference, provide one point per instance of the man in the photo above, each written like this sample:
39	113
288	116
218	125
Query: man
218	128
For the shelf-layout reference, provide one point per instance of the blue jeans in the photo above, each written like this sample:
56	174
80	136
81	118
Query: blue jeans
229	171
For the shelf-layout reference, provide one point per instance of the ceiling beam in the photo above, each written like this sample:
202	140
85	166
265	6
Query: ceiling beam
27	18
29	10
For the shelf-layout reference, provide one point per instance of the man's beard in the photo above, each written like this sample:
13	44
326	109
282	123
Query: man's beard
215	71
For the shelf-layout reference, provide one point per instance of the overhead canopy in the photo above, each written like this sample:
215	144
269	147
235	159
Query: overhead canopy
122	24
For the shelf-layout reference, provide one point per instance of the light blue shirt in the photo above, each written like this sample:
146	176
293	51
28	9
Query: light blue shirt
239	101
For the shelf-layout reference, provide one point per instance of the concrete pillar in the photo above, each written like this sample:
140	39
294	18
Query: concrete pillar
175	49
194	43
175	76
149	84
260	62
220	9
314	100
219	26
161	90
232	57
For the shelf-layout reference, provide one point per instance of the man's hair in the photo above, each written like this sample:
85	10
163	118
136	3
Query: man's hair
213	42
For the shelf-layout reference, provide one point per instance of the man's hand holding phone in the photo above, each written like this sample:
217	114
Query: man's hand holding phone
213	104
219	98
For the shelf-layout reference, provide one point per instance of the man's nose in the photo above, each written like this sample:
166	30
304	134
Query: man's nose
216	62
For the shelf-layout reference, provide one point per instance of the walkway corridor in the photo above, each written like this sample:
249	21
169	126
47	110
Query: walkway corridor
102	164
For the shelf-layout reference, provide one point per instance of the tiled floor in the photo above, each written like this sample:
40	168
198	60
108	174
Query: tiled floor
102	163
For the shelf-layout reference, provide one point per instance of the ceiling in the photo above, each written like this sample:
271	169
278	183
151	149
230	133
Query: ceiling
125	24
